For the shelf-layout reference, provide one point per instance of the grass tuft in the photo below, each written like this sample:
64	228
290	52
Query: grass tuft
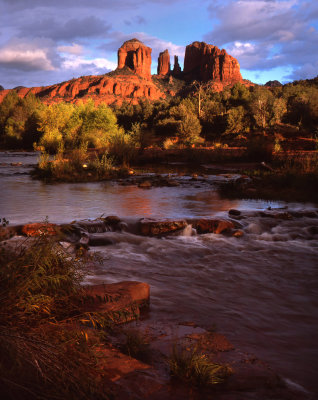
195	368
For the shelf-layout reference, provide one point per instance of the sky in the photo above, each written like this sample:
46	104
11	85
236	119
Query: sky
43	42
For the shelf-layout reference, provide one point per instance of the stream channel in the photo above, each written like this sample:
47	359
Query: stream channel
260	290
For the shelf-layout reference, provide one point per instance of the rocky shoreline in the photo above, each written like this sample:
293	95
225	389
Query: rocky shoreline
123	302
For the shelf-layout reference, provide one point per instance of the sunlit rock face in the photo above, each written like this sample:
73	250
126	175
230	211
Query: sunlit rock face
206	62
164	63
136	56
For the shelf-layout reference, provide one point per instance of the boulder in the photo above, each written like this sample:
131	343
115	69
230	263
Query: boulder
40	228
145	185
120	302
234	212
136	56
150	227
164	63
209	225
205	62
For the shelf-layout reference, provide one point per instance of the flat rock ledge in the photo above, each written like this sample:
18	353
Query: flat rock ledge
119	302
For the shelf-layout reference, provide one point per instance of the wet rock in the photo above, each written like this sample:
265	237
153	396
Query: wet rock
40	228
97	226
149	227
99	239
112	220
71	233
121	301
171	183
209	225
145	185
7	232
238	234
313	230
234	212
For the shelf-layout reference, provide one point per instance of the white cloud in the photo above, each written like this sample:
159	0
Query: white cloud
28	55
76	63
266	34
74	48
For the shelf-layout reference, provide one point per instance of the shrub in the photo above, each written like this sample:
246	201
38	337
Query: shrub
195	368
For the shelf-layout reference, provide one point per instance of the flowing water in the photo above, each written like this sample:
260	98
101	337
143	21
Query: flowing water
259	290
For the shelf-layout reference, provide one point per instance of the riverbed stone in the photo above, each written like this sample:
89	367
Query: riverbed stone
211	225
40	229
234	212
120	302
238	233
145	185
150	227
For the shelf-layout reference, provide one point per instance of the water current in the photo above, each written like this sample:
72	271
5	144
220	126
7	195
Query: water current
260	290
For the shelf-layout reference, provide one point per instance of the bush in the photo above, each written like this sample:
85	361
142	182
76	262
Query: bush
195	368
43	354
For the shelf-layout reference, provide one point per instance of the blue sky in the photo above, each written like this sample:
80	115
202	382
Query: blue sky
44	41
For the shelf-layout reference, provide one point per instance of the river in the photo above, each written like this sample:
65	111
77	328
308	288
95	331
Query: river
259	290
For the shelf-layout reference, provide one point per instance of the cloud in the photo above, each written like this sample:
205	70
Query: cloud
136	20
266	34
24	55
95	64
52	28
157	45
74	48
306	71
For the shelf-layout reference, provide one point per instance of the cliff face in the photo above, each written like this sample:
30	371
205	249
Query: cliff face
164	63
132	79
107	89
136	56
206	62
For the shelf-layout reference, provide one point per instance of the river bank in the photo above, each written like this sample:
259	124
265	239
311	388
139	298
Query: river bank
236	283
153	359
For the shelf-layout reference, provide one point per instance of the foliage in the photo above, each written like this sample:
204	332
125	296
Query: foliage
199	113
195	368
136	345
43	354
77	165
18	120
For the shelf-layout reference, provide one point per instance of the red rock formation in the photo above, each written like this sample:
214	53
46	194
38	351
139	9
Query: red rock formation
164	63
206	62
114	88
176	68
136	56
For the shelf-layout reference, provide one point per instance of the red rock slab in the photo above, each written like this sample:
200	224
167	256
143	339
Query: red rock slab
121	301
40	228
209	225
149	227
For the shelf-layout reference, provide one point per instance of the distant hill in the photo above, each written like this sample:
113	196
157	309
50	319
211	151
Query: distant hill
132	79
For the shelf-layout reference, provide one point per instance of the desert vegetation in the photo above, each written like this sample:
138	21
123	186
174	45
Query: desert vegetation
85	141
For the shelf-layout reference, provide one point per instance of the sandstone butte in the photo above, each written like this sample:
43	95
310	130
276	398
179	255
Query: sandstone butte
132	79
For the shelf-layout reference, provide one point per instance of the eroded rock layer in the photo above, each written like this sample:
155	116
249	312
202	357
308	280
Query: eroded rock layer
102	89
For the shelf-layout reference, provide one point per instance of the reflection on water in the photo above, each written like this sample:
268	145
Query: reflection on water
24	200
260	290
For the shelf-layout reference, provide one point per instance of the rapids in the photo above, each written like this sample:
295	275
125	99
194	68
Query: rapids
259	290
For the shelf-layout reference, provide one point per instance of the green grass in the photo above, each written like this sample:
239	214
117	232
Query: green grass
292	178
136	345
195	368
78	165
44	352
